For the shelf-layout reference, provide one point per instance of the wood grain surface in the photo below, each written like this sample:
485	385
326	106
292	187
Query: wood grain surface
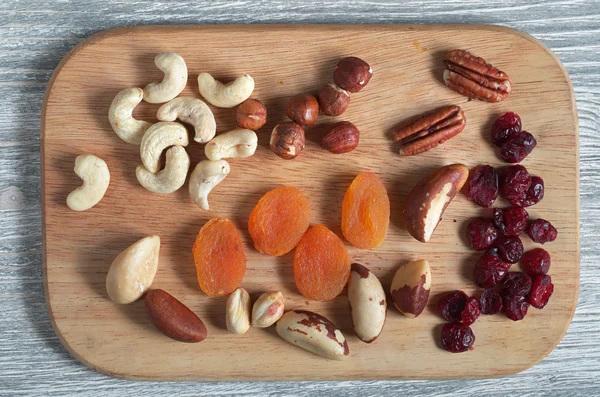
34	37
79	247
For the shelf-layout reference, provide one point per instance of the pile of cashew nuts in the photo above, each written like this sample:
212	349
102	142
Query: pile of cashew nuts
172	136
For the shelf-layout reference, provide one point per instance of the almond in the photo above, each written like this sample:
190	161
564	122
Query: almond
410	288
341	137
237	312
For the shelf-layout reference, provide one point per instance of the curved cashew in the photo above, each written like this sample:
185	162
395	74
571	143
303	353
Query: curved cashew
169	179
235	143
127	128
173	83
159	137
225	95
193	111
204	178
94	173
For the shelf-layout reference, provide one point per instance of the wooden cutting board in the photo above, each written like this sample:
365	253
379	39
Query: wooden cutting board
287	60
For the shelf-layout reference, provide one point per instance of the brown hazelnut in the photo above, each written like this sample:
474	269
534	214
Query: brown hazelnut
251	114
333	100
303	109
287	140
352	74
341	137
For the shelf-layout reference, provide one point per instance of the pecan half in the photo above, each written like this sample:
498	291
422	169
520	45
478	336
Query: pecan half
473	77
428	130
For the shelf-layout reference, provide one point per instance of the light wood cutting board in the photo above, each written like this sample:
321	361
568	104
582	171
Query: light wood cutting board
286	60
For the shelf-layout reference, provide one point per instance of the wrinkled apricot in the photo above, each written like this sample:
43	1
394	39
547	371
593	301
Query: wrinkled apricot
321	264
219	257
279	220
366	211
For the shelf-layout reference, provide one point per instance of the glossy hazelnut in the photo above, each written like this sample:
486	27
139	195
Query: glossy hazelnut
333	100
251	114
352	74
303	109
341	137
287	140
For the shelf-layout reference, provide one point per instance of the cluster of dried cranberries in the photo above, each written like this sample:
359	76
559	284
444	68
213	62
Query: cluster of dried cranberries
514	143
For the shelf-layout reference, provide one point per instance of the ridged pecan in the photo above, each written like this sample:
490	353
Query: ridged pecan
428	130
473	77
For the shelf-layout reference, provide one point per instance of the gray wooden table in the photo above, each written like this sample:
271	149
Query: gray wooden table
36	34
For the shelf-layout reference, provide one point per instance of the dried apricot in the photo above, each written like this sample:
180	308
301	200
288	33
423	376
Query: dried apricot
365	211
279	220
321	264
219	257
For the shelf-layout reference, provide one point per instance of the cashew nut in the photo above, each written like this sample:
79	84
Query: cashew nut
204	178
173	83
235	143
225	95
171	178
127	128
94	173
159	137
193	111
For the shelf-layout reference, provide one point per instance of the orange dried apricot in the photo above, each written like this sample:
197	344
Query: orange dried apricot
321	264
365	211
279	220
219	257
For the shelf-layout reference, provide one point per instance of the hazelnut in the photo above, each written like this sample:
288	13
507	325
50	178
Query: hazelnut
333	100
251	114
303	109
341	137
287	140
352	74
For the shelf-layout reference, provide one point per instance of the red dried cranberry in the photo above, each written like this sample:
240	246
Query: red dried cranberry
471	311
482	186
541	231
517	283
490	302
489	270
510	248
504	126
515	182
541	291
536	262
517	146
515	220
533	195
515	307
499	219
481	234
457	338
452	305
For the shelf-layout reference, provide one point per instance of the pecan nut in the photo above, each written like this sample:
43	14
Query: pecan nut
428	130
473	77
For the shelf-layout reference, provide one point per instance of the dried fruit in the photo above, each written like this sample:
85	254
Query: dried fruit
517	283
482	186
490	269
452	305
536	262
471	311
219	257
510	248
365	211
517	146
504	126
515	182
490	302
279	220
532	196
321	264
352	74
457	338
541	291
541	231
515	307
481	234
514	221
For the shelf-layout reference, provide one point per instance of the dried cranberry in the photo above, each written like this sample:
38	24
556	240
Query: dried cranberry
504	126
481	234
517	146
515	306
515	182
541	231
457	338
536	262
510	248
490	302
452	305
499	219
489	270
471	311
482	186
517	283
541	291
533	195
514	220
